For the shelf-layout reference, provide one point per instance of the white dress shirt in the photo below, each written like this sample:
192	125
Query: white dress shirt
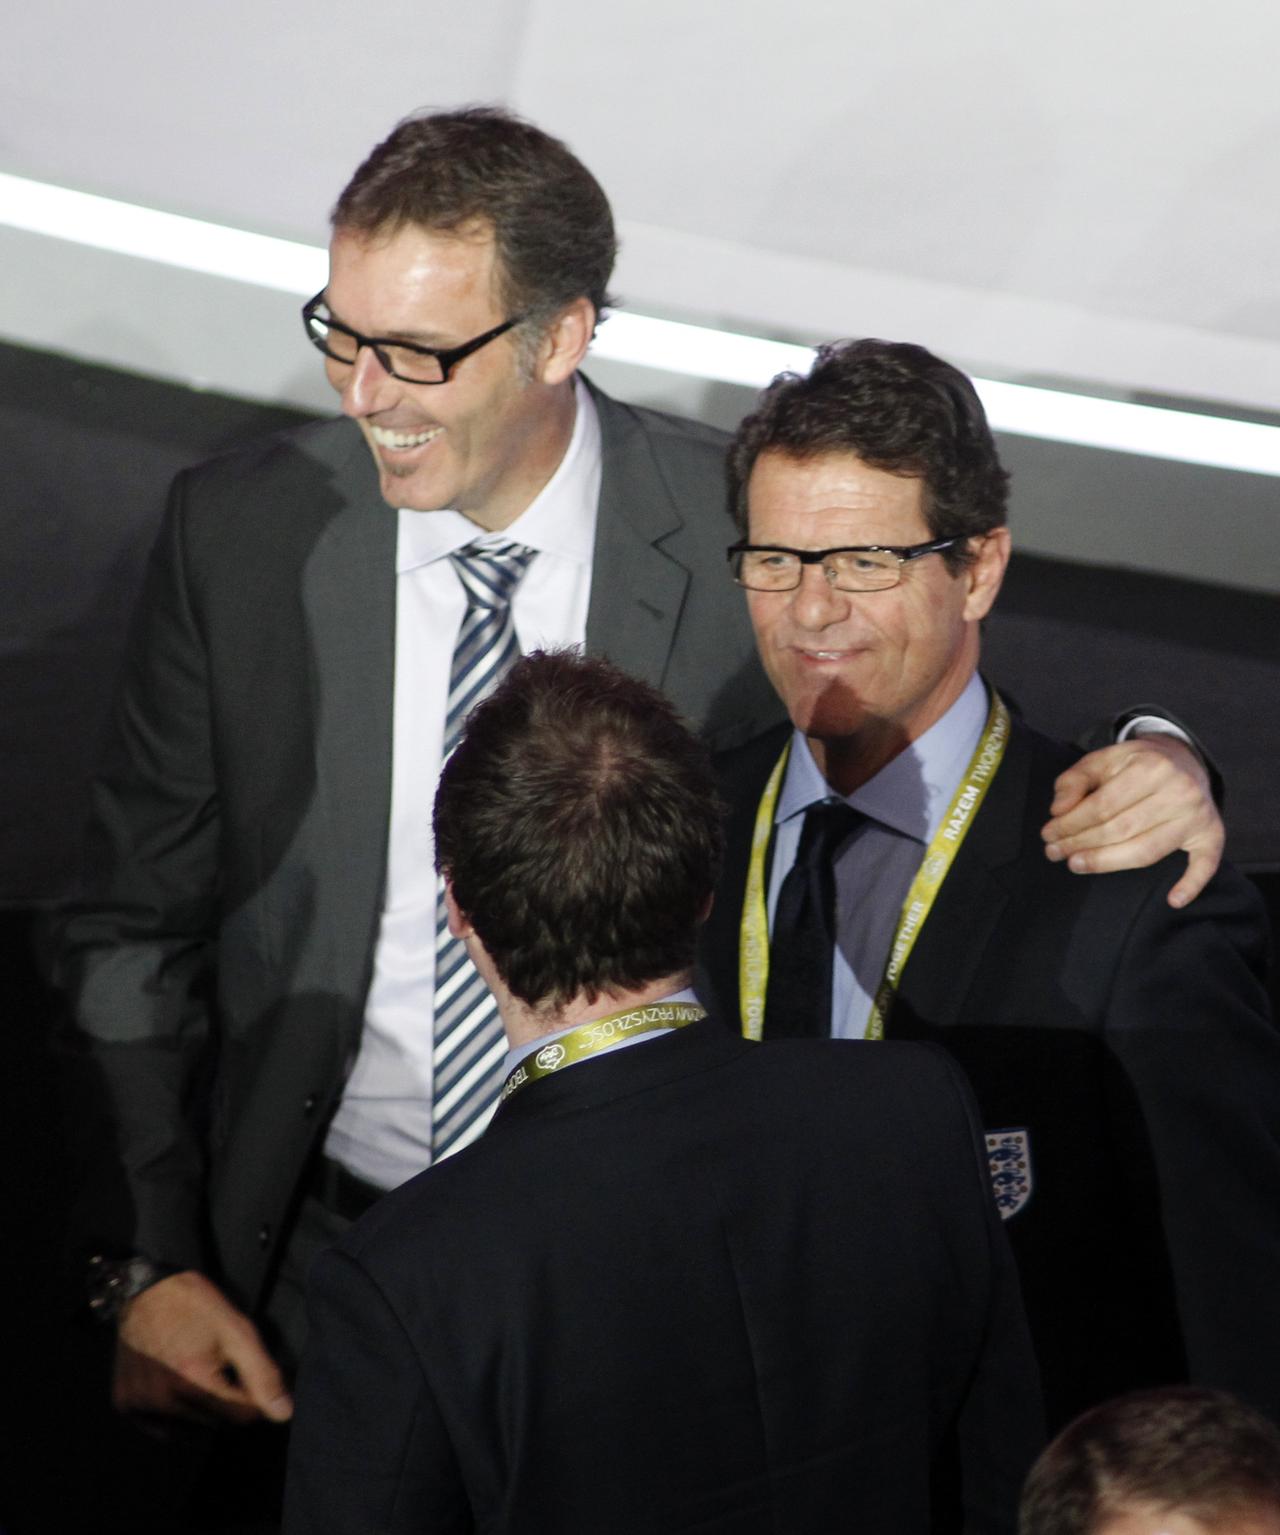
382	1130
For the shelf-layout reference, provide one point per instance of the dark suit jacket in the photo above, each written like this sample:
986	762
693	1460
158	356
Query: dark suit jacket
220	961
1133	1044
693	1284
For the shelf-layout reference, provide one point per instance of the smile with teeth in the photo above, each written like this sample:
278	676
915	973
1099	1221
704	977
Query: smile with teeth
387	437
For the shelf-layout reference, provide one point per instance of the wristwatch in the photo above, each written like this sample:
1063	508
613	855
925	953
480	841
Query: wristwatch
114	1282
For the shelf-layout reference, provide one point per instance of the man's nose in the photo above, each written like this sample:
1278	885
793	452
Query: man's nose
366	385
815	603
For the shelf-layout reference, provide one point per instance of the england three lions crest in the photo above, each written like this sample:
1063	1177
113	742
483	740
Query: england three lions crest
1009	1158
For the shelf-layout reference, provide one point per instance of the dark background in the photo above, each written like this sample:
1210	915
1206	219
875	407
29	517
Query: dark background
89	454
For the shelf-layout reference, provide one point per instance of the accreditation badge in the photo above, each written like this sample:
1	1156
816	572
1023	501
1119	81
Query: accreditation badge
1009	1160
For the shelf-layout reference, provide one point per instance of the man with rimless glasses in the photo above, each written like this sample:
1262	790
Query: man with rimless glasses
276	1023
885	878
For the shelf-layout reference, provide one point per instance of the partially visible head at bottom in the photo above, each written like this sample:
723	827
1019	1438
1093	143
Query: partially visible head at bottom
1178	1460
580	830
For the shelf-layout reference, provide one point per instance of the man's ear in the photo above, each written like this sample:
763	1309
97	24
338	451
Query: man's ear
565	341
459	927
986	572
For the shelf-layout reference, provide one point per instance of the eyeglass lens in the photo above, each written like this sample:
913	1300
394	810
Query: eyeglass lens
406	363
848	570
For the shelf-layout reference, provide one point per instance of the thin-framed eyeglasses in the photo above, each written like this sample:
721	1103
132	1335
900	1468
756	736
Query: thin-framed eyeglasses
405	360
859	568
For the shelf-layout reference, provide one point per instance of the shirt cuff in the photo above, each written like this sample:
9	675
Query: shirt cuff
1153	725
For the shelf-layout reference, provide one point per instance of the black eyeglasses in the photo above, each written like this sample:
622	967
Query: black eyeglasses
862	568
402	359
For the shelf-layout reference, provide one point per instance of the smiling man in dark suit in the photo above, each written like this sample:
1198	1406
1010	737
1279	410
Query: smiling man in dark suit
264	813
885	877
684	1281
254	968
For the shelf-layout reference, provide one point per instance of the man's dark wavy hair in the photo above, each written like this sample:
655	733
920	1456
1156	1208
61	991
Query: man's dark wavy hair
447	170
579	825
897	407
1174	1448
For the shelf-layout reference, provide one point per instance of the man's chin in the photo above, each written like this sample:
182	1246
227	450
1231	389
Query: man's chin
828	719
399	490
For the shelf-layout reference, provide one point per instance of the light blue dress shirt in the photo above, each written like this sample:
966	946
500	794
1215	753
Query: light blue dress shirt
904	804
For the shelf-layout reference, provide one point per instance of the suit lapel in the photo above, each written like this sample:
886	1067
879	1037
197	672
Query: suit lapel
636	590
742	775
348	593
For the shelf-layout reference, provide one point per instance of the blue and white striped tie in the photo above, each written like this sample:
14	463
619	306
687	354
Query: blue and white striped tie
469	1042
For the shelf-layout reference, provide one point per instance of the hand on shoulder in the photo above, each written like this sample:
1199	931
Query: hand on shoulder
1128	806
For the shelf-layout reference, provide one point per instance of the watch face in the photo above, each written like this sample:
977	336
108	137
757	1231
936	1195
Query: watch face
113	1281
103	1287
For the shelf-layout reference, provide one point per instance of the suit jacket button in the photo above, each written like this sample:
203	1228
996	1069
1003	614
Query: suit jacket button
309	1104
264	1235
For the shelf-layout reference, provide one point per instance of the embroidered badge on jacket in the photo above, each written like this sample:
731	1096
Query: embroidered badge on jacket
1009	1158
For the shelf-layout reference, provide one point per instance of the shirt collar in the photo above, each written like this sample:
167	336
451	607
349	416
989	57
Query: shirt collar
911	793
517	1053
561	518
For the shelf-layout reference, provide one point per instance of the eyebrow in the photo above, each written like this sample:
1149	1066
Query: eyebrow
418	337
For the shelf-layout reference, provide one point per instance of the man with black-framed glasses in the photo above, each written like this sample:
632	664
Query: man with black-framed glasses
276	1022
885	878
277	1025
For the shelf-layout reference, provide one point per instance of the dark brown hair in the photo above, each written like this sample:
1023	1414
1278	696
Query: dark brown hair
897	407
579	824
448	170
1184	1448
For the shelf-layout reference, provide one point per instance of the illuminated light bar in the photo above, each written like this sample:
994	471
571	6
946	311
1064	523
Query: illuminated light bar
1049	414
697	351
285	265
667	345
1179	435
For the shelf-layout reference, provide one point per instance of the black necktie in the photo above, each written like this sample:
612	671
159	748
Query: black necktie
802	944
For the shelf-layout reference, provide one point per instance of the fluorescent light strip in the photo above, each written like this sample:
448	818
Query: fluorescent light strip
285	265
1048	414
697	351
1179	435
667	345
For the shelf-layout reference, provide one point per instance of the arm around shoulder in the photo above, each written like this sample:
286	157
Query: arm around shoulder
1127	805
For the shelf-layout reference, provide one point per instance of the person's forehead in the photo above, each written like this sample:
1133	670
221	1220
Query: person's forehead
409	272
833	488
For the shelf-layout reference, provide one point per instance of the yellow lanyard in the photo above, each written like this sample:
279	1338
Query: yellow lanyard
753	940
599	1034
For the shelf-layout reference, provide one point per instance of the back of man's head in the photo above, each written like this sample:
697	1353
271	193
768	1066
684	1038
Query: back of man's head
896	407
455	172
579	826
1179	1458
